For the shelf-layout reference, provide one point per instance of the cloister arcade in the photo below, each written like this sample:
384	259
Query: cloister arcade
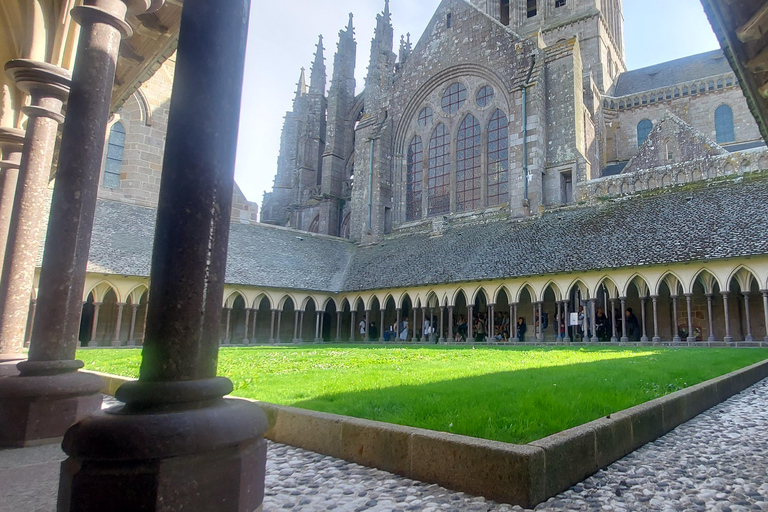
683	303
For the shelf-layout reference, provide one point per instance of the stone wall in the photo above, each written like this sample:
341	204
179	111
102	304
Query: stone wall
732	164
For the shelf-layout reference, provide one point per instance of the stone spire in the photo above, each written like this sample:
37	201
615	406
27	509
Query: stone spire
301	88
318	75
382	64
406	48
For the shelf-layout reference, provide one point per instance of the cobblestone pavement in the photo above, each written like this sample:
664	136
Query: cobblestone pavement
718	461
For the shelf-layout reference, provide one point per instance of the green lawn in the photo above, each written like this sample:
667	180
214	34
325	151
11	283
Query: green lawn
508	394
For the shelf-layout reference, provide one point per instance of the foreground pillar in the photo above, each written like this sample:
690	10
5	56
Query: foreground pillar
48	87
451	339
441	334
567	317
11	146
177	444
338	326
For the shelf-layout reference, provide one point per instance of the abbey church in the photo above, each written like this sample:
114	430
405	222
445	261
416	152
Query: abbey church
505	165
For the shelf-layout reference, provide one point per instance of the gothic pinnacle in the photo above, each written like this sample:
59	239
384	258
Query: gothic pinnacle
318	76
351	26
387	16
301	88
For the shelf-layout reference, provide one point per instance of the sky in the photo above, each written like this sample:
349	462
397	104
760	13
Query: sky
283	36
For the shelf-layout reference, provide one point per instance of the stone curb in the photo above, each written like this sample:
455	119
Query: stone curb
524	475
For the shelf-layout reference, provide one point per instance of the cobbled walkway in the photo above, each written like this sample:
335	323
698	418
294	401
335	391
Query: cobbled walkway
718	461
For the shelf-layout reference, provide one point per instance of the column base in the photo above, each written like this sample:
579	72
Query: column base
167	457
566	339
470	340
614	339
246	342
318	341
656	339
690	339
624	339
595	339
644	339
728	339
117	344
677	339
93	344
450	340
38	409
749	338
130	343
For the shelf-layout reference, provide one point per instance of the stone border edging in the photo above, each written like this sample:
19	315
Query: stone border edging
524	475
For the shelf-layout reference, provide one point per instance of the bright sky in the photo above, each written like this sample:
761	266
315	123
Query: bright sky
283	36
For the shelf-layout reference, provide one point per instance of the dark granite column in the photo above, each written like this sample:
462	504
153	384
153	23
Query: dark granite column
655	300
116	338
366	338
398	326
593	303
272	328
747	318
246	340
11	146
132	330
338	326
675	331
318	332
177	444
765	312
352	326
50	375
513	322
227	327
643	303
441	334
424	336
381	324
728	338
94	325
624	337
451	339
614	338
567	317
470	325
48	87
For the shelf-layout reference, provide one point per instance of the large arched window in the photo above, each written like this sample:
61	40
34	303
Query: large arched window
438	178
724	124
498	159
414	180
468	173
114	161
644	128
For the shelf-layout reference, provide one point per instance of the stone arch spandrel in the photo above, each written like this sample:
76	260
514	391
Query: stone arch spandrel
101	289
260	298
232	296
531	292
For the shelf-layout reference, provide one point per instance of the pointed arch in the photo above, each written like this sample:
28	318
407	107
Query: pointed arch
477	292
614	292
708	280
531	292
499	290
100	290
358	303
555	290
429	300
230	300
329	300
373	301
281	303
468	170
345	304
259	299
744	277
456	294
135	295
306	302
583	288
673	282
643	289
401	300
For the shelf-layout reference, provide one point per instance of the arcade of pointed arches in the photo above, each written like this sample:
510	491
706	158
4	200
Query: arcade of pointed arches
718	302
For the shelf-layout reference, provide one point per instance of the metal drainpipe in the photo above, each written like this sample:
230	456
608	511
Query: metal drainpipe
370	189
525	130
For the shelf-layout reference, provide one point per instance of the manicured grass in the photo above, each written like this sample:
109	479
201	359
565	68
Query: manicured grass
508	394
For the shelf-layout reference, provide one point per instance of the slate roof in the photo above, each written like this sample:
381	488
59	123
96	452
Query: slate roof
672	73
711	221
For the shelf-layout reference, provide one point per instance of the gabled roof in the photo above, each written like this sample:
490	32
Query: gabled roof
666	74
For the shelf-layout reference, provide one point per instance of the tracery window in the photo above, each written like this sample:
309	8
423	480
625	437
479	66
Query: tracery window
498	159
453	98
414	179
531	8
425	116
468	175
644	128
485	96
724	124
439	172
114	161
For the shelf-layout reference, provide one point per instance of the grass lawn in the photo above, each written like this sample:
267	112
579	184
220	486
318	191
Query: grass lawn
507	394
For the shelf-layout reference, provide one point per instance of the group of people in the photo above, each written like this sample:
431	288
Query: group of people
602	327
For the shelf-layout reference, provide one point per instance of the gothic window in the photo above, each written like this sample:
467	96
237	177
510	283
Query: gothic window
559	3
439	173
485	96
498	159
413	184
468	149
314	226
724	124
344	232
504	12
531	8
644	128
115	146
454	97
425	116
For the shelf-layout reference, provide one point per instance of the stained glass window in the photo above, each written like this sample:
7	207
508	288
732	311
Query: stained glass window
453	98
468	149
414	179
114	160
498	159
439	174
485	96
724	124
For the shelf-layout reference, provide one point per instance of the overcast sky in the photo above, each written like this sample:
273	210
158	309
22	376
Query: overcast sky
283	36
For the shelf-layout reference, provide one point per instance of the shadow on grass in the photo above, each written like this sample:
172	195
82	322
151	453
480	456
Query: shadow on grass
525	405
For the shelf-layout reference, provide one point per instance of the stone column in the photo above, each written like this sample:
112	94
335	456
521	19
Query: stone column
424	338
398	327
765	312
540	328
116	337
470	325
490	327
48	87
566	317
272	328
558	317
322	325
643	302
614	338
11	146
381	325
655	300
593	303
415	325
451	338
352	327
317	327
749	336
132	329
227	336
689	304
95	325
710	319
513	322
338	326
624	337
72	395
441	334
367	325
295	326
728	338
675	333
254	324
246	341
300	338
178	444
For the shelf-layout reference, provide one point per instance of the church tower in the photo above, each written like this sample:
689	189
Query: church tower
599	25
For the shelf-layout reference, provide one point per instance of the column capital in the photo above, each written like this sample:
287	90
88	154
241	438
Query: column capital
122	304
492	304
725	293
11	141
114	12
40	80
764	292
745	294
709	295
688	295
622	298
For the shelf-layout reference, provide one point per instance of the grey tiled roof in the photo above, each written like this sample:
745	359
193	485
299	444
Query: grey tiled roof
671	73
711	221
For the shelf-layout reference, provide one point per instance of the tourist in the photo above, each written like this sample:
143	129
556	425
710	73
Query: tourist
404	330
361	325
427	328
461	329
617	320
521	328
373	331
580	327
633	326
601	324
